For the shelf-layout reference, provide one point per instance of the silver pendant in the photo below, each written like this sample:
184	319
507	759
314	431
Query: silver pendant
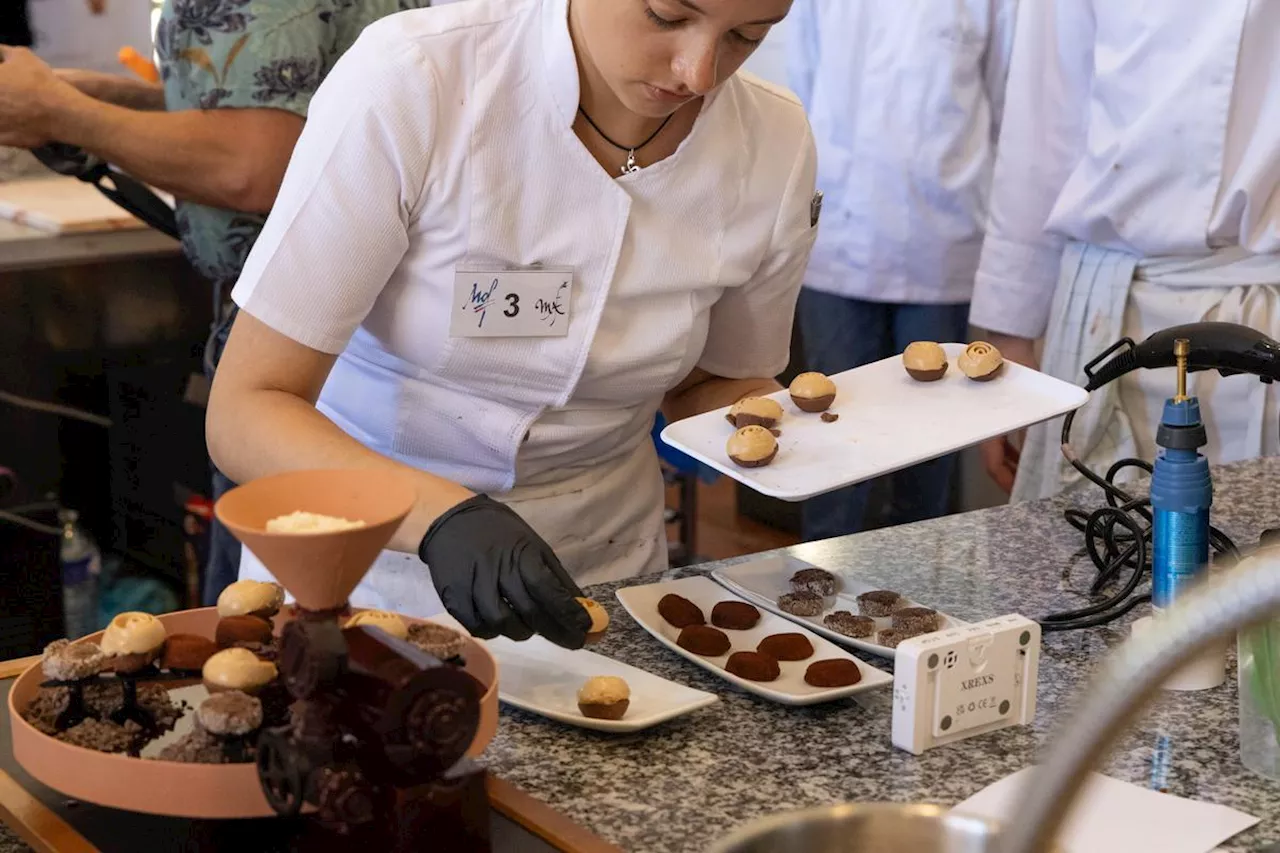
630	166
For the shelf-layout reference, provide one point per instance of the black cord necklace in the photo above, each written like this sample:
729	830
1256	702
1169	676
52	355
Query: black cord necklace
630	166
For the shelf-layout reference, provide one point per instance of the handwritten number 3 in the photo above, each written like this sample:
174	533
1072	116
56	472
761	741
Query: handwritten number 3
513	305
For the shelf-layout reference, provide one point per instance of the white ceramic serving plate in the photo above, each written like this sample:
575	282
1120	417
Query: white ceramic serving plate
888	421
790	687
762	581
540	677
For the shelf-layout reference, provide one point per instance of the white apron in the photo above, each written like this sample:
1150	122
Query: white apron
1104	295
604	524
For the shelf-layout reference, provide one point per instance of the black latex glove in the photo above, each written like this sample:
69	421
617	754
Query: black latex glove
495	575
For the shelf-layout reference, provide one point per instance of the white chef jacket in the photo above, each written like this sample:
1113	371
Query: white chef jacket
906	101
1149	128
444	137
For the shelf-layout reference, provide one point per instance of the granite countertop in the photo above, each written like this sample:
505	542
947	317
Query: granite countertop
681	785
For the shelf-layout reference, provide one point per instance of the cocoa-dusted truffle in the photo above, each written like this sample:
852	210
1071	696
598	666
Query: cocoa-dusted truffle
980	361
838	672
439	641
925	361
800	603
753	666
704	640
64	661
679	611
844	622
751	447
755	411
817	581
812	392
735	615
891	637
918	620
878	603
242	630
187	652
230	714
786	647
604	697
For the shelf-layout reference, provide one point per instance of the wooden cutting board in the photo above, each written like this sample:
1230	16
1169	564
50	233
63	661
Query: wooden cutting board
62	205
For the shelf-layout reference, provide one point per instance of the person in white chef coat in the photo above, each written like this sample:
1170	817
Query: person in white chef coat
510	232
1137	187
906	101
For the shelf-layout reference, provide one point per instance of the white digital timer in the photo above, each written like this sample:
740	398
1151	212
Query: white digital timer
966	681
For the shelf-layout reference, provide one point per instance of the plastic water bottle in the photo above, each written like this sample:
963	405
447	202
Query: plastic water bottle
81	565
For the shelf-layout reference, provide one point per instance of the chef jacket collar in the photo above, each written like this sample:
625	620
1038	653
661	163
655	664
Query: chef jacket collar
562	63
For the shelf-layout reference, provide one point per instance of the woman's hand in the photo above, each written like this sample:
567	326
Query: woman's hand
496	576
1000	456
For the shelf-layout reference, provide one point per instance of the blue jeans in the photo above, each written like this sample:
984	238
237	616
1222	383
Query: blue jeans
223	563
840	334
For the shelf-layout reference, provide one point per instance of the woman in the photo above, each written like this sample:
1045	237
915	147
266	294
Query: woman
470	275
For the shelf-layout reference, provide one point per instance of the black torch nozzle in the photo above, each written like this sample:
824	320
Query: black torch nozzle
1228	348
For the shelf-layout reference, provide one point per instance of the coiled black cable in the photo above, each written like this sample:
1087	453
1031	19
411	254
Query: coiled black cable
1117	538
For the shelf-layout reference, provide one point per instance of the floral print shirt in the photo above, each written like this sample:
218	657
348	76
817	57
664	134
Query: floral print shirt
250	53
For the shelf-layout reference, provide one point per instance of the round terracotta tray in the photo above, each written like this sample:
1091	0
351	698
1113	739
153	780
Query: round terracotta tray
172	788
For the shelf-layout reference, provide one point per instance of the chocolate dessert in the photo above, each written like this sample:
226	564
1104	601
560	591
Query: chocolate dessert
105	736
187	652
925	361
735	615
439	641
704	640
133	641
846	623
240	631
599	618
251	598
753	666
197	747
604	697
755	411
838	672
751	447
817	581
812	392
915	620
892	637
801	603
786	647
879	603
980	361
680	612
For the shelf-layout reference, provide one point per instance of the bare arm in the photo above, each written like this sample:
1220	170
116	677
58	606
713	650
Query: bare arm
232	158
262	420
704	392
117	89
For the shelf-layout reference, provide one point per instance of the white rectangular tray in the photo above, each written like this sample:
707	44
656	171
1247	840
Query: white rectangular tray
762	581
542	678
790	687
888	421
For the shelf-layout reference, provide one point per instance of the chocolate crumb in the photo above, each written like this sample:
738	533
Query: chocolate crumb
777	433
830	417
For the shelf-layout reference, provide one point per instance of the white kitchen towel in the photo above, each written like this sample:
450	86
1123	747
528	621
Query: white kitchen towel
1111	816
